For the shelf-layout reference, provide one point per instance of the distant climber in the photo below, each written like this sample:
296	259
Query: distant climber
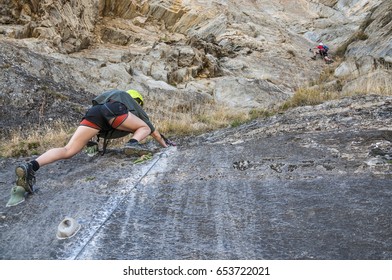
114	111
321	50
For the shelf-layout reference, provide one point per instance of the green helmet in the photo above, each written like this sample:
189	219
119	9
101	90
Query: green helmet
136	95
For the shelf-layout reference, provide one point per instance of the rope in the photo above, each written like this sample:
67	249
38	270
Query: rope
115	208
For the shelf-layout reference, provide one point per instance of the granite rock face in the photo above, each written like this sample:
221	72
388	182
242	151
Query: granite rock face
312	183
186	50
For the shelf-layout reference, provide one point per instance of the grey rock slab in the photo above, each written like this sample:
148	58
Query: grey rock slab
287	202
312	183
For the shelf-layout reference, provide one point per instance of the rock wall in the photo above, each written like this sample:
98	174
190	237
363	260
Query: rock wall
369	50
68	25
243	53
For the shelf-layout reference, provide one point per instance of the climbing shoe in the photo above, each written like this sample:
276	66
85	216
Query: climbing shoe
25	176
132	148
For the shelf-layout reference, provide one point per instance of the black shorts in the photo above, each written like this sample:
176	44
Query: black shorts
323	53
98	116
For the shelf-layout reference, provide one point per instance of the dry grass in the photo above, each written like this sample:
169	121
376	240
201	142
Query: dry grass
37	141
328	88
192	120
309	96
376	83
197	119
